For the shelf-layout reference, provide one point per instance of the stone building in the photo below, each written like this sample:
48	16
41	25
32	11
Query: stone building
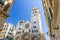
36	28
52	11
5	6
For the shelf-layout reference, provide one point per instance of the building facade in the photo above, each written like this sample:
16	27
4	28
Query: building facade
26	30
36	28
42	36
2	35
4	9
48	14
51	11
23	30
57	29
19	30
9	30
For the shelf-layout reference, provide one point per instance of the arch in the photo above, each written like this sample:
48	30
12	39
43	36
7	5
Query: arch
18	38
35	38
26	36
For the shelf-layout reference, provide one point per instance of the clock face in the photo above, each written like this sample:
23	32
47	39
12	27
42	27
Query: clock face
27	26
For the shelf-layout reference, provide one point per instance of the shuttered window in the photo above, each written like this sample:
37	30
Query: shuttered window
49	23
50	1
51	14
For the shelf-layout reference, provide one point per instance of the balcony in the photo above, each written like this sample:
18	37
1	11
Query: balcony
2	12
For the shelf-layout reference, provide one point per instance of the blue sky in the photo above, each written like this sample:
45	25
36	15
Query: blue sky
21	10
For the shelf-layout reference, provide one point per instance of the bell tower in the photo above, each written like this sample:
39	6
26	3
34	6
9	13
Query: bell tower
36	29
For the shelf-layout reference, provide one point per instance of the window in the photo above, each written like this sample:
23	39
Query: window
34	22
35	11
49	19
8	38
6	28
51	13
46	10
18	32
19	28
34	31
23	31
10	29
50	1
44	2
7	25
49	23
34	26
29	30
2	2
21	22
13	26
9	33
34	14
27	25
3	28
6	7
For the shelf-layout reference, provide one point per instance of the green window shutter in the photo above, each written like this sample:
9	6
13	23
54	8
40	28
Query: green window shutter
2	2
49	23
49	20
51	14
50	1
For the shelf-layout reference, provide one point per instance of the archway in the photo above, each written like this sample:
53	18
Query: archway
26	36
18	38
35	38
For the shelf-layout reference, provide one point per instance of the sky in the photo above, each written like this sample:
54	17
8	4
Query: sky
21	10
